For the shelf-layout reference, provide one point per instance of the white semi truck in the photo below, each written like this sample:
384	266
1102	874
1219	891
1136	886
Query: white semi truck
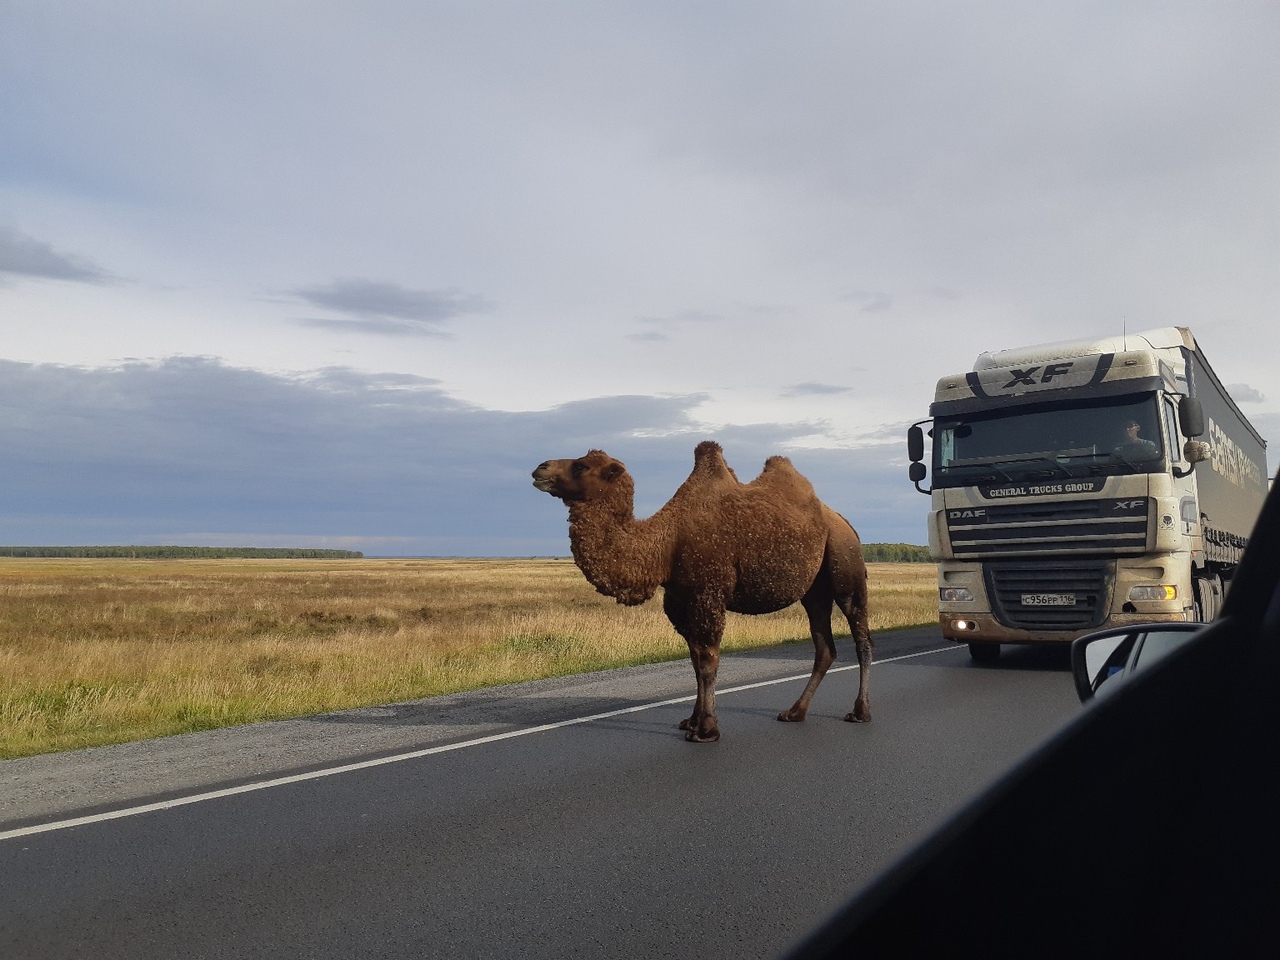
1085	484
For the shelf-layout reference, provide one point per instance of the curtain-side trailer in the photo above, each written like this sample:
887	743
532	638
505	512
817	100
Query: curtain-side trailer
1084	484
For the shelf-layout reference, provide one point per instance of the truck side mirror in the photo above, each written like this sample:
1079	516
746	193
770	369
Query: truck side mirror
915	446
915	452
1191	416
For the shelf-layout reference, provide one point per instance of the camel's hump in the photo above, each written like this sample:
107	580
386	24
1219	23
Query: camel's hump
708	457
709	463
779	463
779	473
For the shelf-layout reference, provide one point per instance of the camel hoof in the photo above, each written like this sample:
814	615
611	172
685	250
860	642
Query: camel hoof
858	718
694	737
792	716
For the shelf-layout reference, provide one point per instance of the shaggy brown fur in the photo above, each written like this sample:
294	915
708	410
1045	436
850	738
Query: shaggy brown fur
718	545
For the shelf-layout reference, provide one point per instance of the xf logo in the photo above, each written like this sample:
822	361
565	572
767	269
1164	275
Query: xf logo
1028	377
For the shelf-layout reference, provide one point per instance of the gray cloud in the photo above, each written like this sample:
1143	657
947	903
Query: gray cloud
816	390
665	329
681	319
869	301
649	336
1243	393
24	256
382	326
1268	424
193	450
372	306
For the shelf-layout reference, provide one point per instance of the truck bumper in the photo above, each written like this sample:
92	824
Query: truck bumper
983	628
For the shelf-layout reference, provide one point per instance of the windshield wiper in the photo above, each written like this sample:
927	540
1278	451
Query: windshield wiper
1024	462
1116	457
986	476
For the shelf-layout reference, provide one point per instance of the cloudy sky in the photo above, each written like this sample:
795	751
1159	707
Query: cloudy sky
324	273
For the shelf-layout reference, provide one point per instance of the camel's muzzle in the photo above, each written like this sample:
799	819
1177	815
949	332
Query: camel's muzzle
544	482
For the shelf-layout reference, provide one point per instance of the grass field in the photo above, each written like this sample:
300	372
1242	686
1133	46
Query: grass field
105	651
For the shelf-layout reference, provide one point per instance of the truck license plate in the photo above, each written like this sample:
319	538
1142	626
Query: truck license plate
1048	599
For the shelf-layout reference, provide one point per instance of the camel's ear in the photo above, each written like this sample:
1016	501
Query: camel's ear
612	472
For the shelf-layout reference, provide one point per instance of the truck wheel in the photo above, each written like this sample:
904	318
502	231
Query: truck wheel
1208	597
984	652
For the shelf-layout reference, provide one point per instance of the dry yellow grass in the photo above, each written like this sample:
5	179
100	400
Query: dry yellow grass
104	651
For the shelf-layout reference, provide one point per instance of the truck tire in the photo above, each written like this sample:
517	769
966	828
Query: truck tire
984	652
1208	591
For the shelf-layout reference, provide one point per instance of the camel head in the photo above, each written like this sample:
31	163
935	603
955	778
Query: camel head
596	476
604	535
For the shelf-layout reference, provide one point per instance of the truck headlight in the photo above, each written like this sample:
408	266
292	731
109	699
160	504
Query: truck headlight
955	594
1163	592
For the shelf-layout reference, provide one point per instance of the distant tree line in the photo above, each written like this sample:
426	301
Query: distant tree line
895	553
184	553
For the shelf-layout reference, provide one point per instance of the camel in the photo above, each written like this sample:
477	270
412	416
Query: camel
719	545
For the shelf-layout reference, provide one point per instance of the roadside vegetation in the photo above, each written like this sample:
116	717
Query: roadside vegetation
193	553
98	651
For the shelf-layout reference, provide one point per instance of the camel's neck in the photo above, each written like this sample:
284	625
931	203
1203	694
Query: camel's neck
620	556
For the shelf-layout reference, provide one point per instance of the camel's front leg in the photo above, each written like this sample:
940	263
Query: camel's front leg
702	726
701	624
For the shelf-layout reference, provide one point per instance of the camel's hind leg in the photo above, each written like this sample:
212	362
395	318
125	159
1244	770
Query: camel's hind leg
848	586
817	604
854	607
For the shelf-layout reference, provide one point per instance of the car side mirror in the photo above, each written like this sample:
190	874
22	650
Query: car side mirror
1097	658
1105	656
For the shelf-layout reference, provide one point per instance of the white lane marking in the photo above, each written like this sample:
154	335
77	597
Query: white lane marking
411	755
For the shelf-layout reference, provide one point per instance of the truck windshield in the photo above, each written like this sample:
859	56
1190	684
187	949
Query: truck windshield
1116	435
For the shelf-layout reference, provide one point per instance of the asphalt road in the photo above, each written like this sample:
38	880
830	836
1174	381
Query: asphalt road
564	818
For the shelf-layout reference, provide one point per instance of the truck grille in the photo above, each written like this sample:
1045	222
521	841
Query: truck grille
1088	582
1075	526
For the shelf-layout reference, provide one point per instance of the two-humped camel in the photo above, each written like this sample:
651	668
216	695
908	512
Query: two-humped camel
719	544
